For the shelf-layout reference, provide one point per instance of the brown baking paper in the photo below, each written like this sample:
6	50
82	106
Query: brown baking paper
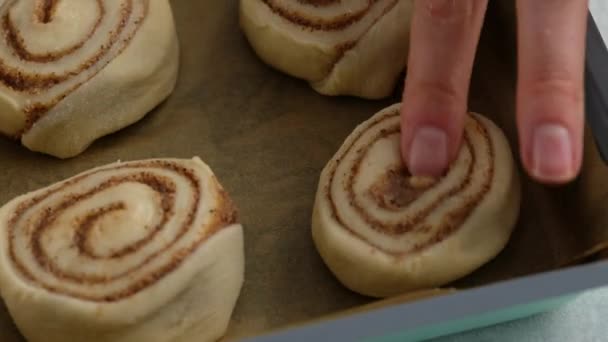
267	136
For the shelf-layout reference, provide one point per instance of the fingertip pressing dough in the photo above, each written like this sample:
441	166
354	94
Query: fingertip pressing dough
147	250
72	71
349	47
383	232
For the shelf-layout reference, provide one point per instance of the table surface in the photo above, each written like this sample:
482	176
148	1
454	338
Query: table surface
599	11
581	320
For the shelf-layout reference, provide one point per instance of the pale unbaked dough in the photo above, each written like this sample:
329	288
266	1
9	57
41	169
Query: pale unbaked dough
98	272
394	233
79	80
349	47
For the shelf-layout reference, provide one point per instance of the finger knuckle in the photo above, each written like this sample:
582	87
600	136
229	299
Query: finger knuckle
443	95
448	11
556	84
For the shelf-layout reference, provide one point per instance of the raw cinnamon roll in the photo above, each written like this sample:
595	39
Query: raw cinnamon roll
383	232
138	251
72	71
341	47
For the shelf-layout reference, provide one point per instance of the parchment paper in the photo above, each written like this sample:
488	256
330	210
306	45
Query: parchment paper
267	136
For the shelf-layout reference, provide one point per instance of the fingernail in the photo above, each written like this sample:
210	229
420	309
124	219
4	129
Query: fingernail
552	153
428	152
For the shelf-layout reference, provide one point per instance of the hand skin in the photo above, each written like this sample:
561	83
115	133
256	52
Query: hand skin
551	50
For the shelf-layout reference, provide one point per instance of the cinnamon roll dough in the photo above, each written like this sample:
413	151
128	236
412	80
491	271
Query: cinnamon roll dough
382	232
137	251
72	71
350	47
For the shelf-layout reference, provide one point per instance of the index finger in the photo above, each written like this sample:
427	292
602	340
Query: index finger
443	42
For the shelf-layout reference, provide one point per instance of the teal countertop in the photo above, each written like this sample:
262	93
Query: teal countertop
584	319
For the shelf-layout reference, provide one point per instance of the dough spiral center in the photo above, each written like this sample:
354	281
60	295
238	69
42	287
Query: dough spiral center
52	47
107	234
374	198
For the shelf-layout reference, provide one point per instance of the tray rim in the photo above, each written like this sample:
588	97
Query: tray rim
547	287
596	86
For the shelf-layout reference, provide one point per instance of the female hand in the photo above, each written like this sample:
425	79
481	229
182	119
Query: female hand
551	50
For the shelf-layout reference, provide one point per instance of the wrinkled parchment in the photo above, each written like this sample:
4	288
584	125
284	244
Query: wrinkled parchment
267	136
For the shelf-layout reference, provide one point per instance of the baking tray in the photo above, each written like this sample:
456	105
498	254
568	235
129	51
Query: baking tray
267	136
418	318
596	92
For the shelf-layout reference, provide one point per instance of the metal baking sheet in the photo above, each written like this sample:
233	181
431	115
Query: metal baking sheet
596	81
267	136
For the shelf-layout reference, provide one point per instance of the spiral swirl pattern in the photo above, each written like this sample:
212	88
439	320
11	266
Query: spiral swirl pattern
383	231
333	44
394	212
332	15
111	232
46	54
